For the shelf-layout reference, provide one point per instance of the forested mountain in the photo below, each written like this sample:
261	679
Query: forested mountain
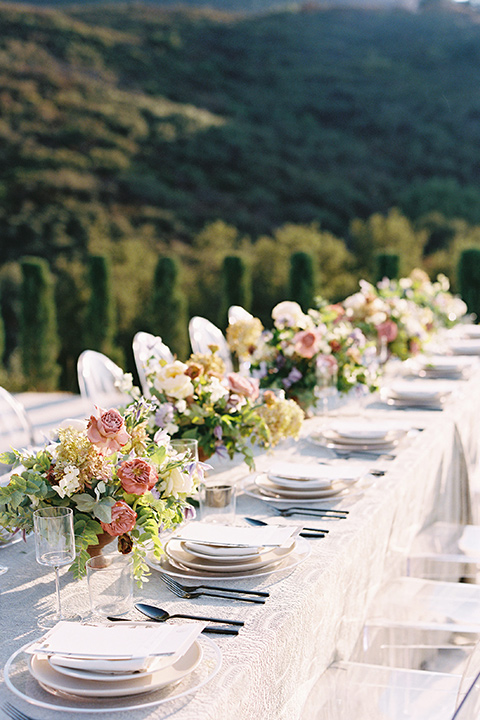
177	119
126	129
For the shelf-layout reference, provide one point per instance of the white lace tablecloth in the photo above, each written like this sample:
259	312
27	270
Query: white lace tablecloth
315	613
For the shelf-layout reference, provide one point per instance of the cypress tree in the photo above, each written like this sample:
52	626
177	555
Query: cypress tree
236	285
468	272
302	280
38	335
169	307
388	265
100	325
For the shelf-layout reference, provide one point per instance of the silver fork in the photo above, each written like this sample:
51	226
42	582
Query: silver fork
194	591
13	713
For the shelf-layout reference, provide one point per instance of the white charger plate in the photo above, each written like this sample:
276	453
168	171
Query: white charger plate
175	552
263	493
300	552
390	438
336	499
19	680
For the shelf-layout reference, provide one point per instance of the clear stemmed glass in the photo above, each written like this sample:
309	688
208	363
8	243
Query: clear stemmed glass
326	387
55	547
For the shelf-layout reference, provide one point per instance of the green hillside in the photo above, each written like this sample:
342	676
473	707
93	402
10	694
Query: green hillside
132	131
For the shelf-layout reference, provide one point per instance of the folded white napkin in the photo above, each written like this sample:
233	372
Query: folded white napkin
117	640
229	535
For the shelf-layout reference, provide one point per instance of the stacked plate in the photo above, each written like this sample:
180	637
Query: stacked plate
428	394
468	346
360	437
304	482
144	658
243	552
444	366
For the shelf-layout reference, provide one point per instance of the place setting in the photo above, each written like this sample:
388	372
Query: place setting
359	437
215	551
425	394
109	666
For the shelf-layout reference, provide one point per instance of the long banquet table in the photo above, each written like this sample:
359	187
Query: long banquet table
316	611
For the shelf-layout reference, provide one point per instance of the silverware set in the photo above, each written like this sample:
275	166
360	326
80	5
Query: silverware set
332	513
194	591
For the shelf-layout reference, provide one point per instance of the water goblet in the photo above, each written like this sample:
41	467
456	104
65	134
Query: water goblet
326	387
55	547
187	447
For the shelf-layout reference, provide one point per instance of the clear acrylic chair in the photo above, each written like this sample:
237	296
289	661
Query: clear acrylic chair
16	429
366	691
203	333
97	375
446	551
145	347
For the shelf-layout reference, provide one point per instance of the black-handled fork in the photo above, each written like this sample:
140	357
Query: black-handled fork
189	592
169	581
14	713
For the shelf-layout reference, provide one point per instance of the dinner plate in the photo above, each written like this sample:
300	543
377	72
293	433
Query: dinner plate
348	447
465	347
176	553
363	433
272	497
275	493
52	680
19	680
264	484
307	485
58	664
209	552
300	552
390	439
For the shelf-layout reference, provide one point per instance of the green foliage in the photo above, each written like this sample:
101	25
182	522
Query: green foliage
302	280
387	266
39	339
236	285
100	312
469	279
169	307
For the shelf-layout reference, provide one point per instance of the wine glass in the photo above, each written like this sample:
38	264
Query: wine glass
55	547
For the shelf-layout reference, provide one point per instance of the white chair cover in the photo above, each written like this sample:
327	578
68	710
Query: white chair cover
204	333
96	379
145	347
15	427
237	312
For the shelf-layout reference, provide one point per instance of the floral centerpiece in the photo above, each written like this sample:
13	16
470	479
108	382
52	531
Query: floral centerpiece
389	318
197	399
119	483
294	354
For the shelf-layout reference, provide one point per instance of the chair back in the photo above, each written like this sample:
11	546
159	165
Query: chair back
236	313
468	698
145	347
15	427
204	333
96	378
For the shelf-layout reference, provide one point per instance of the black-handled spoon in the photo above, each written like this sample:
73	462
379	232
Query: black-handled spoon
159	615
210	629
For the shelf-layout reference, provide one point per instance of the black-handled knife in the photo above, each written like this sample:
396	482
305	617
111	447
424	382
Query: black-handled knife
309	532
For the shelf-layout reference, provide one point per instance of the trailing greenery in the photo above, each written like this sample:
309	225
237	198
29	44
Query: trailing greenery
169	307
302	280
388	265
39	339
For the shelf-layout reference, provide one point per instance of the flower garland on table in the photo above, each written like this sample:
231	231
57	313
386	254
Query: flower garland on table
116	480
198	400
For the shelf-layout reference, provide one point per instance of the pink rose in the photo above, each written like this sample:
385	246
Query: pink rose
307	343
248	387
123	519
137	476
107	431
387	330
